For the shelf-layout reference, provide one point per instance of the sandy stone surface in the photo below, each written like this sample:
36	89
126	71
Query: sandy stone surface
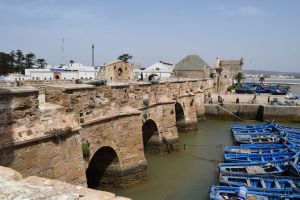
246	98
12	186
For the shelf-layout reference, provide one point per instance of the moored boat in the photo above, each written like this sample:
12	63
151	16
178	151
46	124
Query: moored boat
256	157
260	181
267	139
257	148
263	168
227	192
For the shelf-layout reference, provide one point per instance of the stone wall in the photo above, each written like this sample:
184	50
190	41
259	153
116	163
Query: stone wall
51	157
38	84
123	133
8	84
42	84
282	113
105	116
163	115
16	105
252	111
247	111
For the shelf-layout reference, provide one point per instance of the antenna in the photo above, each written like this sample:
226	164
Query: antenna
63	51
93	55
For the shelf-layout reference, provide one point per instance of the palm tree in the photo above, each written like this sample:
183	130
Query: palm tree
239	77
261	79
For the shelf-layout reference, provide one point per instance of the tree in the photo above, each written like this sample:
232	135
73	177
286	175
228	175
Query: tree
6	65
19	62
261	79
72	62
239	77
41	63
125	57
29	60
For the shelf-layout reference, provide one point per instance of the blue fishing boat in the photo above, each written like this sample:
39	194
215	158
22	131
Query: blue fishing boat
257	148
256	157
286	128
249	126
253	131
263	168
227	192
260	181
262	139
295	167
263	145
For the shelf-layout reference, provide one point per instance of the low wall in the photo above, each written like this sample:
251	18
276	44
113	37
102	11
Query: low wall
247	111
282	113
255	111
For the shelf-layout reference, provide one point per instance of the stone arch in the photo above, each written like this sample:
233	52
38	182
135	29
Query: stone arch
102	169
151	136
179	112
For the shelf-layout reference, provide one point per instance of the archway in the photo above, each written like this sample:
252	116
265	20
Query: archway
150	134
179	112
102	168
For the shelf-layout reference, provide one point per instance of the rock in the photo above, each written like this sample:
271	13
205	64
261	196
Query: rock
10	174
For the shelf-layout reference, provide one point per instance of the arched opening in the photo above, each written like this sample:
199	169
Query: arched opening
120	71
150	134
179	112
56	77
102	170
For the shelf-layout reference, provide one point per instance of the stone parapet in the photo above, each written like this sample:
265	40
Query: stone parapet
13	186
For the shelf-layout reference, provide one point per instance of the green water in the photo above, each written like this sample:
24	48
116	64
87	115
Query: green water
186	174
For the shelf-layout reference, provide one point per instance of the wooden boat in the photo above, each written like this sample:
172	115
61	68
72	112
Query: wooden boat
295	167
249	126
257	157
255	131
267	139
263	168
229	193
257	148
260	181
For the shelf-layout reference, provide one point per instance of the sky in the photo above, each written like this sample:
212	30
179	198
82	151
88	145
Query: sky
264	32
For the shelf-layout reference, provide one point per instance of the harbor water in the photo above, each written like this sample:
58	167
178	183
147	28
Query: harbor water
188	173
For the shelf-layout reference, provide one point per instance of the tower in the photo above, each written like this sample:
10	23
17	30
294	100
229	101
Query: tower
93	55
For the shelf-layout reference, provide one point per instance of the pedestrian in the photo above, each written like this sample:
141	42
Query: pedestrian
209	95
210	101
237	101
142	76
268	99
222	102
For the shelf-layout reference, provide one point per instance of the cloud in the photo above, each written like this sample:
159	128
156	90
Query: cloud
243	11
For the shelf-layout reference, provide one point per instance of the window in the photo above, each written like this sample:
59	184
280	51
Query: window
120	71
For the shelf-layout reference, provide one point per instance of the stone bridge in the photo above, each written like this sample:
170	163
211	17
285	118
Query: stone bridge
89	135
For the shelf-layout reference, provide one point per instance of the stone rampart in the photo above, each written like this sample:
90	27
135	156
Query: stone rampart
116	123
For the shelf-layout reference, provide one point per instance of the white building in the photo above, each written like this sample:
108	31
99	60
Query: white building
160	68
72	71
15	77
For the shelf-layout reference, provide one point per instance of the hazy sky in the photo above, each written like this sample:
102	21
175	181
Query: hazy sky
265	32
